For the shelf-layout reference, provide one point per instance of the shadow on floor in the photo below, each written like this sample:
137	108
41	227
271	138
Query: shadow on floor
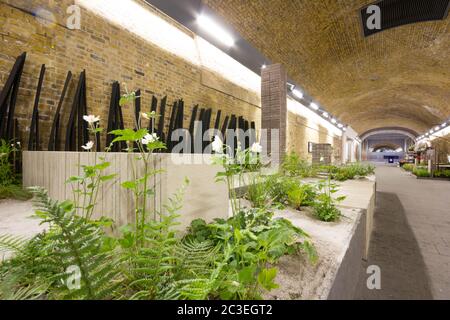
394	249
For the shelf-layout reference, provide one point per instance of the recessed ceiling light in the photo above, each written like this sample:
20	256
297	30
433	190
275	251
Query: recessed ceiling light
298	93
314	106
443	125
340	125
215	30
437	128
333	120
325	115
263	66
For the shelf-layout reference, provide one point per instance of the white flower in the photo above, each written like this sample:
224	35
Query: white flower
256	148
217	145
18	143
88	145
150	138
91	119
145	115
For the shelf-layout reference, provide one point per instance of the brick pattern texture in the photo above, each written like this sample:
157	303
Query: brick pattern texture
274	107
108	53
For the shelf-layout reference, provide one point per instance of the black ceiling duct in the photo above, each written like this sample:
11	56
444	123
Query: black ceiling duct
396	13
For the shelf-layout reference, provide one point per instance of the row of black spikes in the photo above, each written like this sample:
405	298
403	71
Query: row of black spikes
77	133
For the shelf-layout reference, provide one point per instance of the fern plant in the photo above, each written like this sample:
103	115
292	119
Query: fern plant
71	243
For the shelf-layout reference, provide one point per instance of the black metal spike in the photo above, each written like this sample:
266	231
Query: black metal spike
154	106
8	98
53	143
217	124
33	140
70	144
162	119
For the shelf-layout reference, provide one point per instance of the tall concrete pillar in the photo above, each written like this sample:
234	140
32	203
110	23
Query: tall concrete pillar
274	111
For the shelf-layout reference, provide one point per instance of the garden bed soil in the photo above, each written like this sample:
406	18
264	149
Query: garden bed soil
300	279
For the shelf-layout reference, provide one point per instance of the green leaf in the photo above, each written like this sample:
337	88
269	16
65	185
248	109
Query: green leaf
109	177
266	278
102	166
247	274
129	184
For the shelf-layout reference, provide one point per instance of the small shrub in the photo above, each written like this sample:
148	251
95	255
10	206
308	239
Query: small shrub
325	205
9	182
293	166
7	176
408	167
252	240
258	193
296	196
349	171
420	172
442	174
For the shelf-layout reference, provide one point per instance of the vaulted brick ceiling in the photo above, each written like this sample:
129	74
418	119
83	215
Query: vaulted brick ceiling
399	77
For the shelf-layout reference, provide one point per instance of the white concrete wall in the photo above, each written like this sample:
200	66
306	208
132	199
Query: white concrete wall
203	199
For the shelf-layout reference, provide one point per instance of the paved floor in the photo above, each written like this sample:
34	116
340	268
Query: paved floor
15	220
411	238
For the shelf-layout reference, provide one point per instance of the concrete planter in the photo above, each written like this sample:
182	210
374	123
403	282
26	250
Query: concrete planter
204	198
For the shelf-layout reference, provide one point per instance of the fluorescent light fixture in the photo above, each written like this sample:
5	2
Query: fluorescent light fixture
215	30
437	128
427	134
444	125
325	115
298	93
333	121
314	106
340	125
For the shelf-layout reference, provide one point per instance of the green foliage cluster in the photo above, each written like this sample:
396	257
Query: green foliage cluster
421	172
408	167
40	267
10	185
294	166
325	205
442	173
279	190
350	171
255	242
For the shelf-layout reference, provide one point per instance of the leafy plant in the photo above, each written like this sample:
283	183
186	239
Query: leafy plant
7	176
325	205
293	166
46	261
349	171
420	172
442	173
408	167
10	185
235	164
254	239
257	192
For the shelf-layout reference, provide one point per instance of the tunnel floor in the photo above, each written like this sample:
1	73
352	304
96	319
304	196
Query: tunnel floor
411	238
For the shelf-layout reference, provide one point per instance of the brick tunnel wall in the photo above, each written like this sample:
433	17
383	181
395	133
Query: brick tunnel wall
108	53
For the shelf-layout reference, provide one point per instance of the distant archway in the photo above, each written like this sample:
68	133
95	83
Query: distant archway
390	131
